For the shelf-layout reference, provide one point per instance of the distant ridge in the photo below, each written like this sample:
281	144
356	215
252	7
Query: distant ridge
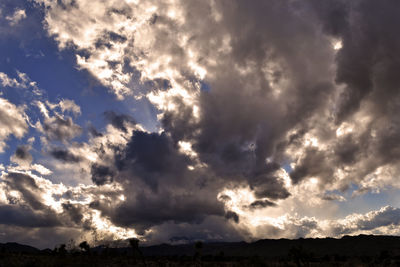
349	246
369	245
17	248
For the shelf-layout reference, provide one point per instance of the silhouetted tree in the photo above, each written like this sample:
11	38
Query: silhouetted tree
134	243
62	249
85	247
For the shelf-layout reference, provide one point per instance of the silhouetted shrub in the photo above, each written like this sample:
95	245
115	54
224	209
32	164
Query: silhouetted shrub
62	249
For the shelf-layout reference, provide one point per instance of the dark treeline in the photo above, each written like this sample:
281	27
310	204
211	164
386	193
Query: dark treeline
359	250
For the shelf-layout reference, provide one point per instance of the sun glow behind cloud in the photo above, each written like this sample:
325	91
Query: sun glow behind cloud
106	228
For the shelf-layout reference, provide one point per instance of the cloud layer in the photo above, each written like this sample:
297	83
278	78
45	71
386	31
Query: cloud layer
270	115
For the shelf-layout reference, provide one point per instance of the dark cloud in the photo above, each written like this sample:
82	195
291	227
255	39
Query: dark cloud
189	233
384	217
224	198
119	120
150	210
109	38
331	197
27	186
74	211
22	155
22	152
101	174
232	215
156	183
261	204
179	124
93	131
266	184
334	15
365	63
365	66
242	122
314	163
64	155
242	117
26	217
67	4
151	157
347	150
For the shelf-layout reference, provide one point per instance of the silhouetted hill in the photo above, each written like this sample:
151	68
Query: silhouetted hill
17	248
362	245
349	246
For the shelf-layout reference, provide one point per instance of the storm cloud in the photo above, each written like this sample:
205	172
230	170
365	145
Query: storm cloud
157	184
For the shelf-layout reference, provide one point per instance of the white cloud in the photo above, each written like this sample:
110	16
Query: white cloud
41	169
13	121
69	105
64	105
6	81
16	17
122	34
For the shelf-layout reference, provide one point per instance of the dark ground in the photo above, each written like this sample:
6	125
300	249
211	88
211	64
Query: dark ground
348	251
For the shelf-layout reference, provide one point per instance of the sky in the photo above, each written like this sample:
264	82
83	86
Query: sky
176	121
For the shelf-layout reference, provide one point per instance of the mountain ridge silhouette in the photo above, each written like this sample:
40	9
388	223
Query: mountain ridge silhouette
370	245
